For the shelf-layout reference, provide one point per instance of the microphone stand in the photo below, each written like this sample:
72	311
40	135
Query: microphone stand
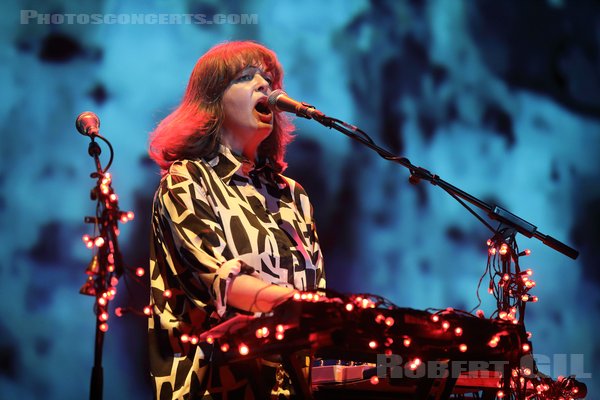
511	290
417	174
106	266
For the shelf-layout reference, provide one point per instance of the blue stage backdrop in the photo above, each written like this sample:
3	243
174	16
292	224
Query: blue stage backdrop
500	98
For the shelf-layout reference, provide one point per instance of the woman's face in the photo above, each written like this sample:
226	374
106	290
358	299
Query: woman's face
247	118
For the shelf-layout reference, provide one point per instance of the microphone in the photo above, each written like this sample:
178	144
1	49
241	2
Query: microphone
88	124
279	101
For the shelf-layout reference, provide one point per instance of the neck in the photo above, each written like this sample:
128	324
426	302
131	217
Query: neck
248	148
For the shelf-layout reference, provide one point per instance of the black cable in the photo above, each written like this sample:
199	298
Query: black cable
110	148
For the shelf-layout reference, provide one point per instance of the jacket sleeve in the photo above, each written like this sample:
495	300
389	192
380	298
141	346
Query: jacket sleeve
193	243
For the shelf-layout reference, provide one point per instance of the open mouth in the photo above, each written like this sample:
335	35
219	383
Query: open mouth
262	108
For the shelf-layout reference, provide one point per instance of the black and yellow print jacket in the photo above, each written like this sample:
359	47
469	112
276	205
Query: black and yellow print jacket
206	212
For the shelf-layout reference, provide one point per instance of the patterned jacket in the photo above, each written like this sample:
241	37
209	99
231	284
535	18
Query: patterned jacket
206	212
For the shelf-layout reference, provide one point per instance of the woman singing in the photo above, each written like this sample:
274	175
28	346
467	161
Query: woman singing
230	233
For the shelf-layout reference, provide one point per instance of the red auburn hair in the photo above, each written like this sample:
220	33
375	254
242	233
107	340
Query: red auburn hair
192	130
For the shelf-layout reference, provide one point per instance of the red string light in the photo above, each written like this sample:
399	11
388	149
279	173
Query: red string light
243	349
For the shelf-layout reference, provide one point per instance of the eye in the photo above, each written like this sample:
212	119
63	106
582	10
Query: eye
244	77
268	79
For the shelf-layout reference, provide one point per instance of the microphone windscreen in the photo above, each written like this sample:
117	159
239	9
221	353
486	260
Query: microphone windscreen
272	99
87	123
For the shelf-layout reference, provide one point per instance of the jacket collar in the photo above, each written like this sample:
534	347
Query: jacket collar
227	163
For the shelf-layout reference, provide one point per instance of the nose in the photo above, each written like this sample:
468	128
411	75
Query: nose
263	85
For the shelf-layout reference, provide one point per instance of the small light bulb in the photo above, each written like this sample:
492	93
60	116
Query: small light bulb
139	271
374	380
167	294
503	249
462	348
103	327
458	331
373	344
243	349
494	342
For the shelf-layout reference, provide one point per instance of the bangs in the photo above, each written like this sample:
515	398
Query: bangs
241	55
220	65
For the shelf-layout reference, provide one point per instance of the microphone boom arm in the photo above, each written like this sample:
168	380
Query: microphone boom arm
494	212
